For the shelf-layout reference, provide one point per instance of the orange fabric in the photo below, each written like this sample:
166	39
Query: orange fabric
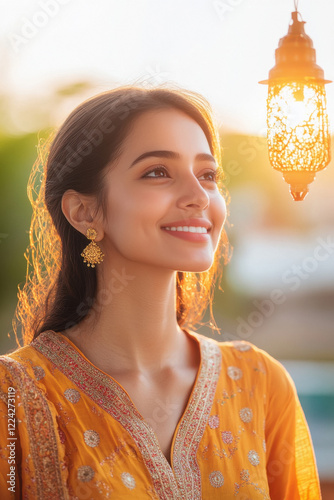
242	436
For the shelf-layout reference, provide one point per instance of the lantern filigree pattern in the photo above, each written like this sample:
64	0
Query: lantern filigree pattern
298	133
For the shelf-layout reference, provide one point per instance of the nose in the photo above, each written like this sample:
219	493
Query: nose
193	194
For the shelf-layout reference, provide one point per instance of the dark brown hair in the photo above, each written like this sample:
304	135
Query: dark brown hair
60	289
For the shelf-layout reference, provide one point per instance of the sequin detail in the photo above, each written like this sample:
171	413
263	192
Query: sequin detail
244	475
85	473
216	479
213	421
62	436
246	481
39	372
92	438
128	480
241	345
253	457
246	415
227	437
72	395
264	444
234	372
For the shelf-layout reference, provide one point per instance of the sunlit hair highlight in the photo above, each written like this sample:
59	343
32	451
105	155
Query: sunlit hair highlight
60	290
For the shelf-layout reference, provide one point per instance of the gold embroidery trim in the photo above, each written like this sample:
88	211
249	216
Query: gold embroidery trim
192	426
41	432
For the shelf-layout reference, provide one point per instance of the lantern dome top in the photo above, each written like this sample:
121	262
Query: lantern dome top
295	57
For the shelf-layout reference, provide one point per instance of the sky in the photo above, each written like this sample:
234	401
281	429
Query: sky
220	48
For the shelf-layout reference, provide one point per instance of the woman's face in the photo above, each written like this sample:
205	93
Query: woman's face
165	209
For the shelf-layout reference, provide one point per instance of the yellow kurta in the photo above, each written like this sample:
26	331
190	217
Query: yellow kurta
78	435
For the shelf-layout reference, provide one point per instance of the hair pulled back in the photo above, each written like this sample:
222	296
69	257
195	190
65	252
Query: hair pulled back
60	289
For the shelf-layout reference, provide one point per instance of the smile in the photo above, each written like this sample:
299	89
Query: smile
187	229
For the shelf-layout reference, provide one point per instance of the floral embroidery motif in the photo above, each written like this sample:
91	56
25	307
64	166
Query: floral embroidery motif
234	372
64	417
246	415
85	473
216	479
213	421
62	436
232	445
185	482
39	372
122	449
253	457
72	395
128	480
241	345
227	437
42	434
92	438
244	475
227	397
103	489
246	480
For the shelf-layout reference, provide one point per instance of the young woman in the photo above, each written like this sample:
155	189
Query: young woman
113	394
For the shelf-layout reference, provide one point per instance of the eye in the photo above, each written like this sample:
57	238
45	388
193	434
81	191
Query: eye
212	175
160	169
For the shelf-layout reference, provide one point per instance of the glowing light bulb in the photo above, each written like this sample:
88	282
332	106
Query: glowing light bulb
298	110
298	132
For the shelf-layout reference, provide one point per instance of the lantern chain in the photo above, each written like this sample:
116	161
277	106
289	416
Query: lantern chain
296	5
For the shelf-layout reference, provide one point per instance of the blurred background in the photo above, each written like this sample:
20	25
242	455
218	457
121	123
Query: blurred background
278	289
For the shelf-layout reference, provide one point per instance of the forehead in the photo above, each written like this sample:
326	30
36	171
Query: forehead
162	128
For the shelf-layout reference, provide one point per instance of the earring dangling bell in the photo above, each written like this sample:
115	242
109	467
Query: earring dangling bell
92	254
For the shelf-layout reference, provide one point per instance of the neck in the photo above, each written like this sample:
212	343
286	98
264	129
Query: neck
132	324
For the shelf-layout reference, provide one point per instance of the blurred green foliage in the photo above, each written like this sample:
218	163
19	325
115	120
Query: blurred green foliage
17	155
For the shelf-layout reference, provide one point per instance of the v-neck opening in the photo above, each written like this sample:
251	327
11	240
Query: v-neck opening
179	478
192	336
130	400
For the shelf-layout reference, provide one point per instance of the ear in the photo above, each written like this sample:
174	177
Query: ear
81	212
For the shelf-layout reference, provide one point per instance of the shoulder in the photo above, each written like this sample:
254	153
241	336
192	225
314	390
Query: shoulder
20	365
242	357
20	354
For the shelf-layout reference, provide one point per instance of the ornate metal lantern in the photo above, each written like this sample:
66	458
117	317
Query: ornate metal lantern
298	132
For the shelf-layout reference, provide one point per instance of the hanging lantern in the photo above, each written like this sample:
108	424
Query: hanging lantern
298	133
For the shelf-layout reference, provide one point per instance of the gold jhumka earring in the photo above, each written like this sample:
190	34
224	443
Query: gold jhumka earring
92	254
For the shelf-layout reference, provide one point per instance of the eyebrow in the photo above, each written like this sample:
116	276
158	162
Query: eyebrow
171	155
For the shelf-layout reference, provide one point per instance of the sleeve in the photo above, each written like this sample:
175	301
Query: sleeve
10	448
291	466
32	456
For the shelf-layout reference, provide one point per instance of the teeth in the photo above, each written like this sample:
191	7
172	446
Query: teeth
188	229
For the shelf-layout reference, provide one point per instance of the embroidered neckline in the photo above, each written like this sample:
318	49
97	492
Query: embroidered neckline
182	478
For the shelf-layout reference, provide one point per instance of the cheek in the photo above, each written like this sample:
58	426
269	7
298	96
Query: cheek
133	209
218	207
